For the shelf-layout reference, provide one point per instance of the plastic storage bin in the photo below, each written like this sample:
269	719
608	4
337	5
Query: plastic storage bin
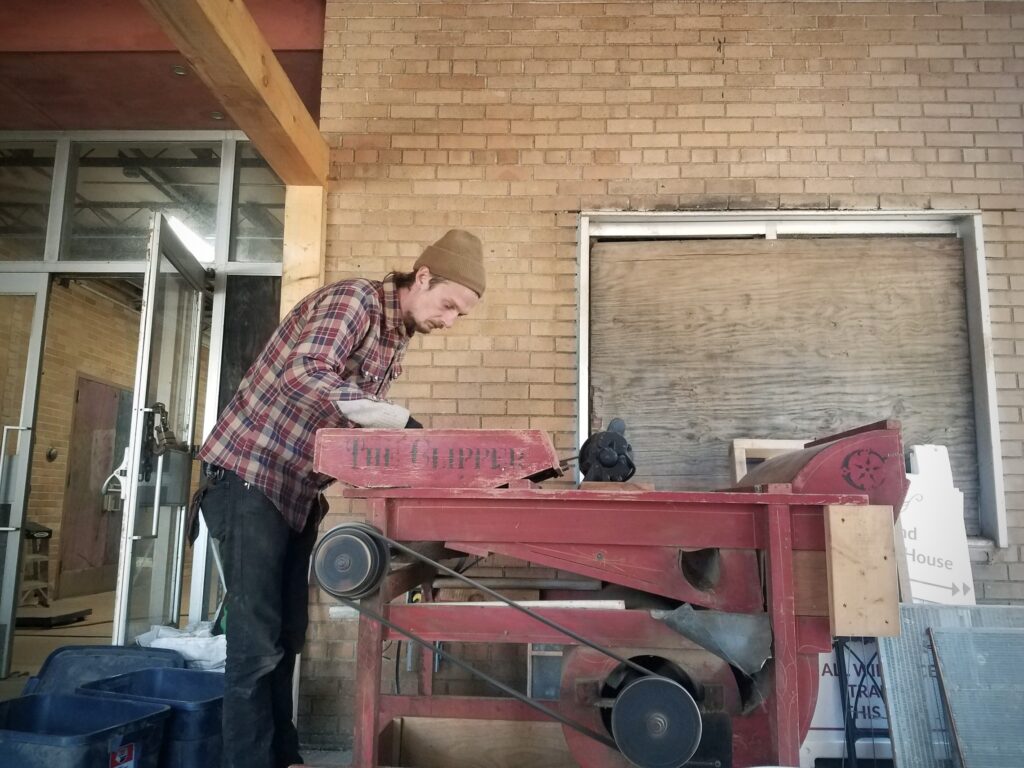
66	731
193	735
72	666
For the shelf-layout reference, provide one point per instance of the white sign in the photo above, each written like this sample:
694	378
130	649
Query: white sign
934	540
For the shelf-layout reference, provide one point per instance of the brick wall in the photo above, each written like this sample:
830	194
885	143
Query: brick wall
508	118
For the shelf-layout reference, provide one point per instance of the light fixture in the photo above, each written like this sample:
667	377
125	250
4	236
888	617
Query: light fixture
179	70
217	115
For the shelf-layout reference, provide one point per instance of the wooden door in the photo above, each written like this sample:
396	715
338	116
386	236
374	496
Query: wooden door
89	535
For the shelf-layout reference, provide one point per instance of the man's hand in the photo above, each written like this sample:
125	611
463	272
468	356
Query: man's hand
413	424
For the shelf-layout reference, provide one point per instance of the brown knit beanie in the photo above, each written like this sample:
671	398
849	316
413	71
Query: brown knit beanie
459	257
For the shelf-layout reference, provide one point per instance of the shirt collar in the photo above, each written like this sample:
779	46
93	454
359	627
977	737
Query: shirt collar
392	308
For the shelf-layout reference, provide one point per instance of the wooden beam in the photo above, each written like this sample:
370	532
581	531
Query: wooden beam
225	47
305	236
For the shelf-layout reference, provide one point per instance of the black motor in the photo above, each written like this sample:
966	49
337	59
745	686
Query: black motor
607	456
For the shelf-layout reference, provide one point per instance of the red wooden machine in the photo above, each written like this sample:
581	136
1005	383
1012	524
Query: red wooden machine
726	675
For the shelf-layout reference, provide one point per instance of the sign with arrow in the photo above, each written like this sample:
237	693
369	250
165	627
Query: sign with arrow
954	590
935	566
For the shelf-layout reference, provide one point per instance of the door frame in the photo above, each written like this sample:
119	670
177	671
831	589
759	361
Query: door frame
163	243
37	285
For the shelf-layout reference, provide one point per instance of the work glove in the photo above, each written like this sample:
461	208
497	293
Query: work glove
413	424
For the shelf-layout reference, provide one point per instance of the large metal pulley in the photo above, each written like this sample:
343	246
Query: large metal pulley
351	561
656	723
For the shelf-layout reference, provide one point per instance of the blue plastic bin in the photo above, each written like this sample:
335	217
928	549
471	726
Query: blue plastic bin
193	735
66	731
68	668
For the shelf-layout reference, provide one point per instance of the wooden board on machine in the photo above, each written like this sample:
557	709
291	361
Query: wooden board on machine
451	743
469	595
863	586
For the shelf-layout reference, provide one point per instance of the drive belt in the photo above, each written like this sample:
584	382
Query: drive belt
369	558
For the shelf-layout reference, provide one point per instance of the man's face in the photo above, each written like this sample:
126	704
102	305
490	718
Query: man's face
429	308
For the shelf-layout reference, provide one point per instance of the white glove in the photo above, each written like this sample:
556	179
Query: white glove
374	413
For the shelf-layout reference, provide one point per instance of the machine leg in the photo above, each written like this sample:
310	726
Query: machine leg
783	709
368	672
369	649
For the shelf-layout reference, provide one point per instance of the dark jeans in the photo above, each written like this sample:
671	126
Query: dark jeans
266	567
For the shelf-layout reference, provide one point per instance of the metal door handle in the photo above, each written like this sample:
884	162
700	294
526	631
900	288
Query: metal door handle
120	471
156	500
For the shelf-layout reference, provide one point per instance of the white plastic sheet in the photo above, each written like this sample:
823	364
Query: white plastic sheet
201	649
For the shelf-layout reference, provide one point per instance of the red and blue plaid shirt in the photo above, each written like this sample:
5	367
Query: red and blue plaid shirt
344	341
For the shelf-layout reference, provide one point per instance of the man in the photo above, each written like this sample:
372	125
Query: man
329	364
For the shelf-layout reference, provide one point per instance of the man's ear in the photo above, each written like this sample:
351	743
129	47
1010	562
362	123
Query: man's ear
423	277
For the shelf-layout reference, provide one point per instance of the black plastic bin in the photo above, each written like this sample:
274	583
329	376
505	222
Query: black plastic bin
193	735
67	731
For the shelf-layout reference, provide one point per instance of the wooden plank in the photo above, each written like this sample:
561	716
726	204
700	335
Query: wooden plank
225	47
784	699
305	238
458	595
810	583
811	337
861	565
450	743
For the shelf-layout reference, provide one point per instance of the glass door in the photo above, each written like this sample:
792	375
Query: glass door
22	315
157	475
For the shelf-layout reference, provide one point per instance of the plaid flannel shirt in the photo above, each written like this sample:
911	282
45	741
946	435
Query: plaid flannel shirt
345	341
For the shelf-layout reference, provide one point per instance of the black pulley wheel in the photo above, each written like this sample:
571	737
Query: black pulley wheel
656	723
350	561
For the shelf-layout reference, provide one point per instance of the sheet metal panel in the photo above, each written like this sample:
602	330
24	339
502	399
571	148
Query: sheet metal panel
913	701
981	672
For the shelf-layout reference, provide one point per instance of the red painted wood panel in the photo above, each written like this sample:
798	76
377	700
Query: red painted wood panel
432	458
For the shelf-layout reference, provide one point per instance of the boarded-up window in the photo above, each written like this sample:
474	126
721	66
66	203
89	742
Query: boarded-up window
697	342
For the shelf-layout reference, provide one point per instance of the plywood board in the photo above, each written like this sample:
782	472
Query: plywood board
806	338
860	555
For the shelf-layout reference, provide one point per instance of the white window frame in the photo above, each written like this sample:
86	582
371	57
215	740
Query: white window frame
966	225
60	192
